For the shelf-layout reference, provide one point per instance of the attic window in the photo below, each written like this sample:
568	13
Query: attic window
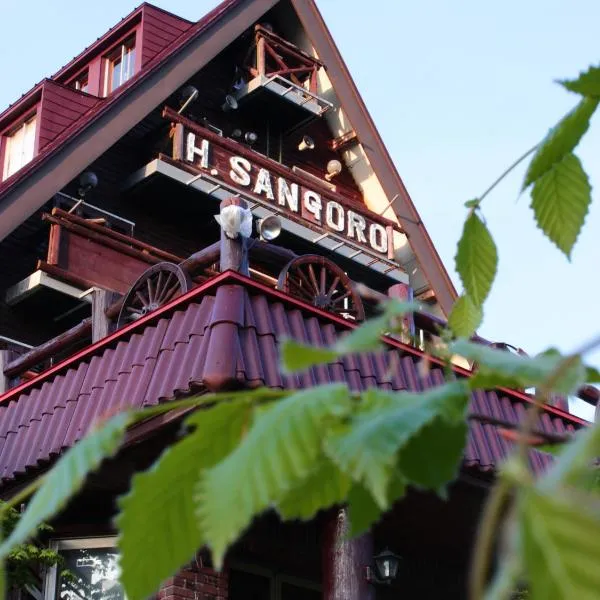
81	83
119	65
19	147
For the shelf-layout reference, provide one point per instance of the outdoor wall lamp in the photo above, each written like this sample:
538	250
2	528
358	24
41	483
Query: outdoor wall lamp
385	569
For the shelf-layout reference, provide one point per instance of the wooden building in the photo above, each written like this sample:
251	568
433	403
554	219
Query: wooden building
117	289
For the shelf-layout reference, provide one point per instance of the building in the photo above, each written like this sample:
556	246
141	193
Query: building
119	288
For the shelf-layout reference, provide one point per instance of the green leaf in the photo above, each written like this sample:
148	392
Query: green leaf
592	375
560	200
465	317
561	545
587	84
366	448
163	496
325	486
498	368
561	140
575	461
67	477
433	457
476	259
278	453
297	356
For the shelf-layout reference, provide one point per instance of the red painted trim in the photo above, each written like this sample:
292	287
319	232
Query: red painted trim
234	277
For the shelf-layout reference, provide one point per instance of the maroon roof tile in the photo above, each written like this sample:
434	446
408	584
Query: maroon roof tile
217	337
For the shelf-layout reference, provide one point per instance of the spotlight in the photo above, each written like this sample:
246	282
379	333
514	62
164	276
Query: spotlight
306	143
269	228
236	134
188	94
334	168
229	104
250	138
87	182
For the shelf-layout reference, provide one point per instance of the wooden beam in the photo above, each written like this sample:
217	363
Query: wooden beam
345	560
4	360
48	349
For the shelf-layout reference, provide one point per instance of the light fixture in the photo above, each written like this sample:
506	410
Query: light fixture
235	221
334	168
188	94
386	568
229	104
87	181
250	138
306	143
269	228
236	134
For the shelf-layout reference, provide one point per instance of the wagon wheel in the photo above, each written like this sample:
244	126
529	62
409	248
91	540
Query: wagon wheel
155	287
321	282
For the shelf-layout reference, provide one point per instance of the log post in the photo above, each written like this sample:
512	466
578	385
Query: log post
234	251
4	360
345	561
404	293
101	301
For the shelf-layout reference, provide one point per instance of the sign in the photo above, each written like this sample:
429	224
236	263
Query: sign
276	184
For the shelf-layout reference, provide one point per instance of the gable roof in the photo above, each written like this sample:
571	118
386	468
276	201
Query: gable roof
225	334
86	139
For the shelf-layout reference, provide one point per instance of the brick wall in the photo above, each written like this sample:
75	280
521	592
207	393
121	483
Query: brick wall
195	582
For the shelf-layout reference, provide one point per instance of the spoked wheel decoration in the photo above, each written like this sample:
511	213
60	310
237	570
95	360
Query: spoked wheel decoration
154	288
319	281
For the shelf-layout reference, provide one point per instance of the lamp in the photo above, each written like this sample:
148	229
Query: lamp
269	228
250	138
386	568
87	182
334	167
229	104
306	143
236	134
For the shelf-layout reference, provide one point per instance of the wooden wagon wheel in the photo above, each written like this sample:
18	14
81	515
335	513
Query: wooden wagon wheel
318	280
155	287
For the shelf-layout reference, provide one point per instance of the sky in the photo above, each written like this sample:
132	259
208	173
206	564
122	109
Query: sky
458	91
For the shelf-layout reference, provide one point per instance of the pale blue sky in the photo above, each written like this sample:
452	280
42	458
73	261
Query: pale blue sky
458	90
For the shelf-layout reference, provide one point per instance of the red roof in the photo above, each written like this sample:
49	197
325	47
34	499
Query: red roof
223	334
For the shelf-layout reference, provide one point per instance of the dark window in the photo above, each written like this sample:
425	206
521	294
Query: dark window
119	65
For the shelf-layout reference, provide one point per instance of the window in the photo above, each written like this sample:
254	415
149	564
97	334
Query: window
81	83
93	562
19	147
249	582
119	66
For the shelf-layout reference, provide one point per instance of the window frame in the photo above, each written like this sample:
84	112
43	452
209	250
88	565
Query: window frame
8	133
74	543
119	50
76	82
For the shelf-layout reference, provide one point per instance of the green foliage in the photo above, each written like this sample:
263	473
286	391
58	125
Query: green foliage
164	498
325	486
496	368
561	546
560	201
587	84
476	259
277	455
561	140
297	357
367	446
65	479
465	318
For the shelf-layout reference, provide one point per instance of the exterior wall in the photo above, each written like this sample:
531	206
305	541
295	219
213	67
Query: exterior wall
195	582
